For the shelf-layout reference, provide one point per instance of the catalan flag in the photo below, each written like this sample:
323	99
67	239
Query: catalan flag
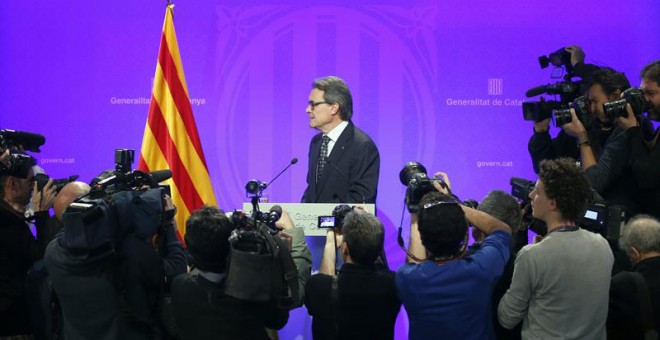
170	136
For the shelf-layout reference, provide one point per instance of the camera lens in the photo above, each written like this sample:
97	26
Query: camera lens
561	117
411	171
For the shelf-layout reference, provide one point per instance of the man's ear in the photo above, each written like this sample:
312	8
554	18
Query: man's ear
344	249
153	240
334	109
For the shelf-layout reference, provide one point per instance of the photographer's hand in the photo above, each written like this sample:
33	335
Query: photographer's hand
629	121
575	128
542	126
44	199
577	54
170	208
285	222
443	176
333	241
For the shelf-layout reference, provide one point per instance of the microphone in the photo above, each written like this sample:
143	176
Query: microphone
161	175
329	162
275	213
267	184
533	92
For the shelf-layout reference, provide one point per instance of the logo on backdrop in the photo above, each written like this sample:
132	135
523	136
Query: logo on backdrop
495	86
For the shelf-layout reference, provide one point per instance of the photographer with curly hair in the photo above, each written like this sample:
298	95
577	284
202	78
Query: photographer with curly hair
560	283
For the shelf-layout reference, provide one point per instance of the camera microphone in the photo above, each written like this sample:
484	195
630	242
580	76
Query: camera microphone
535	91
329	162
275	213
161	175
294	160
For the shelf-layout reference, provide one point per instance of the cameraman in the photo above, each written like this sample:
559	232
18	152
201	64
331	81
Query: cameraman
608	173
645	155
115	291
18	247
541	146
359	302
201	308
447	294
560	284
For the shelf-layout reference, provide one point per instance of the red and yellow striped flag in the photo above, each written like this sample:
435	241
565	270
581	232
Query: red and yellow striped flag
170	136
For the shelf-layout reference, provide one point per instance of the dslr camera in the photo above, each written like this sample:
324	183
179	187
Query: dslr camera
415	178
336	220
617	108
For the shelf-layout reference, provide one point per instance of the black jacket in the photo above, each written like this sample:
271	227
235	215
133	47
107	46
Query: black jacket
356	155
646	170
18	251
203	311
624	317
367	303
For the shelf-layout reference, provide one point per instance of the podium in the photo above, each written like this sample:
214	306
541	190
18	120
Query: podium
305	215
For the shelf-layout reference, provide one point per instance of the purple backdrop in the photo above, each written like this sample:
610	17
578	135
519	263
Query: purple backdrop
440	83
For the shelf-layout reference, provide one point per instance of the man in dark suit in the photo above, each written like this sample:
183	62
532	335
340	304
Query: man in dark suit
641	240
343	160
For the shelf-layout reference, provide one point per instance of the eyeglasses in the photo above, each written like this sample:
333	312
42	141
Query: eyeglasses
315	104
433	204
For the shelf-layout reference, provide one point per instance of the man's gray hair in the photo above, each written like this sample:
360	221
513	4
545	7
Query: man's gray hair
335	91
503	207
641	232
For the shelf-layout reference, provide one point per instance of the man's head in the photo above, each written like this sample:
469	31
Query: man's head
363	237
561	192
606	85
69	193
442	225
503	207
330	102
651	88
17	179
641	238
207	238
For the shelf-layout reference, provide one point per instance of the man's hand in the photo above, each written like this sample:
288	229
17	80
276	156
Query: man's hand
288	240
575	128
332	235
170	208
577	54
542	125
43	200
285	222
628	122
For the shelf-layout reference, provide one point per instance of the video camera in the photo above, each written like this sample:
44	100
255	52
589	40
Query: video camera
121	202
11	139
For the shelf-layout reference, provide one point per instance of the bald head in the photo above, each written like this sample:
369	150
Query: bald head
67	195
642	233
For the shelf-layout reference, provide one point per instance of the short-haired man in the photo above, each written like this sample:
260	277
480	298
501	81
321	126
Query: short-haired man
608	171
201	308
447	294
344	163
18	247
641	240
360	302
560	284
645	156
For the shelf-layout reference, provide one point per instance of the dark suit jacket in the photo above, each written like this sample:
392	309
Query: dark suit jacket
356	156
624	317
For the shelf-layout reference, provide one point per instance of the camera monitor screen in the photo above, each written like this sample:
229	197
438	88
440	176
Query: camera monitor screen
326	221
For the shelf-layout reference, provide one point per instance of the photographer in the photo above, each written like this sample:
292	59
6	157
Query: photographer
115	290
609	173
644	154
447	293
202	309
560	284
359	302
18	247
541	146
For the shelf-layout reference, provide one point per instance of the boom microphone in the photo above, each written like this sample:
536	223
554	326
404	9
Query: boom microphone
293	161
161	175
535	91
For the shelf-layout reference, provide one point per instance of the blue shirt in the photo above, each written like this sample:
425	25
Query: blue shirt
453	300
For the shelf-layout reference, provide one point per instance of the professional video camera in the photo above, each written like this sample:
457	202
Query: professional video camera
567	89
10	139
415	178
121	202
617	108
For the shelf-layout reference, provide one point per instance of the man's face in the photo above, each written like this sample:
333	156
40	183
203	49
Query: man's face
651	92
21	189
597	98
323	116
541	204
